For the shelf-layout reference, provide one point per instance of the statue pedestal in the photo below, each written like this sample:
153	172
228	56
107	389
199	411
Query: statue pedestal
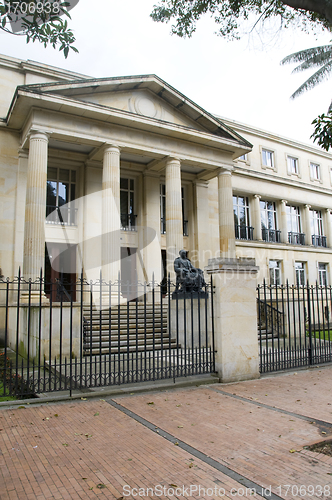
188	295
191	320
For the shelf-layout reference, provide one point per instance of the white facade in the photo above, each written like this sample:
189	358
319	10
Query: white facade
141	172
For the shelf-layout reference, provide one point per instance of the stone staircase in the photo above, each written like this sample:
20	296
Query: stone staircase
131	328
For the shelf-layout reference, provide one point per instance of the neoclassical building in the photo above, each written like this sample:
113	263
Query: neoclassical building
118	174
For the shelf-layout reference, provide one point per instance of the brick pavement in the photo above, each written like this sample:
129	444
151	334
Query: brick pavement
87	449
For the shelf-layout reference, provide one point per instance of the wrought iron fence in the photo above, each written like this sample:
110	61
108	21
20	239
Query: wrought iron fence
294	326
88	334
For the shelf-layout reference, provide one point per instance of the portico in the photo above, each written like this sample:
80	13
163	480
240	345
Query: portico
111	144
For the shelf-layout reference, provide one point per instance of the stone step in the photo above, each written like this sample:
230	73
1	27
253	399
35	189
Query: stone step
133	341
142	328
124	309
123	317
132	349
124	326
125	333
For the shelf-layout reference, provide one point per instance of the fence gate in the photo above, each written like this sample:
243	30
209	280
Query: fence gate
66	336
294	326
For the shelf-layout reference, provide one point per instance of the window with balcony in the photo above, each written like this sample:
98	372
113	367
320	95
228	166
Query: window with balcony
163	210
300	273
295	236
269	222
314	171
275	272
292	165
322	274
316	223
243	230
267	158
127	204
60	196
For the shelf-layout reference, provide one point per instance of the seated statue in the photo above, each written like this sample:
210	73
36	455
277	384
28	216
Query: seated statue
188	277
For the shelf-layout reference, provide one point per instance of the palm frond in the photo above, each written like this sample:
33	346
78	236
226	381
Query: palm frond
304	55
314	80
320	60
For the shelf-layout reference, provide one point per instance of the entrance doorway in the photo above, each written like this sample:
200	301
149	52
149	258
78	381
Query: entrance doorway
60	272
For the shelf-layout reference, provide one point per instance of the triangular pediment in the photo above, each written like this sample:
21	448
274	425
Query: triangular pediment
143	103
147	96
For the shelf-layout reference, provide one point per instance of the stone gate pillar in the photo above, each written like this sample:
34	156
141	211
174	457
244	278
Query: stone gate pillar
235	318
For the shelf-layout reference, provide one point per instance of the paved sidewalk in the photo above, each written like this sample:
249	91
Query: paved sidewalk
220	441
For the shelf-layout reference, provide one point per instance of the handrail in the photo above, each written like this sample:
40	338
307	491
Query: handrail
270	316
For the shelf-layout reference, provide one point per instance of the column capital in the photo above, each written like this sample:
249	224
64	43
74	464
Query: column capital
327	210
307	207
172	159
35	134
112	148
224	172
284	202
257	196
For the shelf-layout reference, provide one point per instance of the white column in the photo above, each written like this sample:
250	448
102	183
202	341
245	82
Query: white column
306	225
34	229
283	221
21	190
201	224
174	224
256	217
150	249
111	223
226	216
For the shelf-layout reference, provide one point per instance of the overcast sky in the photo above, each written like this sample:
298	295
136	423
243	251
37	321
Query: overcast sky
240	80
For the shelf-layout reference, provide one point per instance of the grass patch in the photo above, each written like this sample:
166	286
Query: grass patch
16	387
321	334
6	396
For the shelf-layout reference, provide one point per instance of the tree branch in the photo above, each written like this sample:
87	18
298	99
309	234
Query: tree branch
321	7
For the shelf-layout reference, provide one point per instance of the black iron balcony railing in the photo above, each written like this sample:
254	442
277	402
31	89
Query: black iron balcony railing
163	226
244	232
318	240
128	222
296	238
65	215
272	235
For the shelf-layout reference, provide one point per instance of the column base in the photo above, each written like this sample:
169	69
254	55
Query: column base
33	297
